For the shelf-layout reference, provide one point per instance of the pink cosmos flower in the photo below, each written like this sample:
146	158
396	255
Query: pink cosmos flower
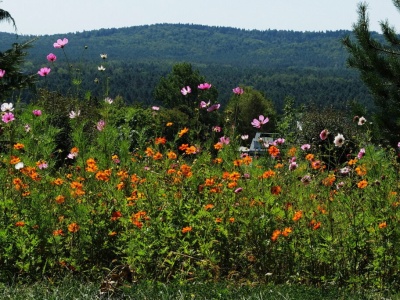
44	71
306	179
8	117
237	91
51	57
324	134
60	43
72	155
344	171
2	72
204	86
100	125
37	112
305	147
340	185
186	90
218	129
398	145
261	121
43	165
213	107
224	140
155	108
204	104
238	190
279	141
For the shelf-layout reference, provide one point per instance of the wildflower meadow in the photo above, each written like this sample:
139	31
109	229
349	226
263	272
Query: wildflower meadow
90	184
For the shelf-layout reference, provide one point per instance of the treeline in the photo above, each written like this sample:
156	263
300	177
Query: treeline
310	66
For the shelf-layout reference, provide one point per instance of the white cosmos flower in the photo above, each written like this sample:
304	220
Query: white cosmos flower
19	165
7	107
361	121
339	140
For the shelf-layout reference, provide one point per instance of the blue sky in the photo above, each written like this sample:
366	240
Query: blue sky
40	17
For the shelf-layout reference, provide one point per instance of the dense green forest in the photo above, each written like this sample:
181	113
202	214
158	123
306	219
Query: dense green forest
309	66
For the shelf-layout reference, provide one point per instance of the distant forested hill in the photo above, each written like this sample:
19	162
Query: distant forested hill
310	66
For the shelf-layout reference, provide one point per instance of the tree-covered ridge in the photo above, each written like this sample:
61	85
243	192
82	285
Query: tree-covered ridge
310	66
206	44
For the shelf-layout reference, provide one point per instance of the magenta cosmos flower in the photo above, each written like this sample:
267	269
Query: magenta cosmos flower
44	71
37	112
261	121
324	134
60	43
204	86
237	91
51	57
2	72
8	117
361	154
213	107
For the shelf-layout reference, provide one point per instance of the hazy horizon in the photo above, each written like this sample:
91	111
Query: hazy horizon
43	17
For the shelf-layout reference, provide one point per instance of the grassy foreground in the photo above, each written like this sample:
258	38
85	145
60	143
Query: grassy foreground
71	288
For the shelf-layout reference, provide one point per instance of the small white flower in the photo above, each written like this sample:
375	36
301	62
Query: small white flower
7	107
108	100
339	140
101	68
19	165
73	115
245	137
103	56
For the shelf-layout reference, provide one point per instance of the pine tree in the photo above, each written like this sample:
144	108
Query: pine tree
15	79
377	57
6	16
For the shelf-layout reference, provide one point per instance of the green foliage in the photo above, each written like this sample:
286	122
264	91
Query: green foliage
379	64
177	216
242	109
314	120
168	90
11	61
149	190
